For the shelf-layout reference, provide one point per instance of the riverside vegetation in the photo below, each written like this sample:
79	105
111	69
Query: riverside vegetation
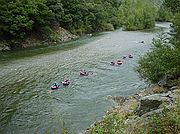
41	19
27	22
156	109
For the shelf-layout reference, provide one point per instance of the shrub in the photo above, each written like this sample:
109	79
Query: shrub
162	60
167	123
111	124
108	27
164	14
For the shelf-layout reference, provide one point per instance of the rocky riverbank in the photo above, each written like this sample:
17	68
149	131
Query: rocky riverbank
59	35
143	111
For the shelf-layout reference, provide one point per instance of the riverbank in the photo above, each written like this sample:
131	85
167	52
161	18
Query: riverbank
59	35
155	109
26	77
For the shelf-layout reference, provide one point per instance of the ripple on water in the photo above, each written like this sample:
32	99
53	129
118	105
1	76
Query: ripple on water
27	106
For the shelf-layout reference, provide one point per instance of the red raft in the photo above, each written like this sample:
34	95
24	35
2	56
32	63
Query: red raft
119	62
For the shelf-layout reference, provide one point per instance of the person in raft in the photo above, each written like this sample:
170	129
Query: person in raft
65	82
83	72
130	56
55	85
119	62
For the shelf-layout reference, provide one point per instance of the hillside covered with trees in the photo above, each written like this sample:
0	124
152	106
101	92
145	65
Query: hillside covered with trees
20	19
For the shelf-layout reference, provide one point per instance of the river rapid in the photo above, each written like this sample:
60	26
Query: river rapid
28	106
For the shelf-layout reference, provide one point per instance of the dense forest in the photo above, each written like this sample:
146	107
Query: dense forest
22	18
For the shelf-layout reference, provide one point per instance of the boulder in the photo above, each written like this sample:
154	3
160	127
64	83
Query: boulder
152	102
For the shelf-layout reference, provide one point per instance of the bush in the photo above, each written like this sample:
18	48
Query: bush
164	14
162	60
18	18
108	27
111	124
167	123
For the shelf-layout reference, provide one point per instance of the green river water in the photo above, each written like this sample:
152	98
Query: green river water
28	106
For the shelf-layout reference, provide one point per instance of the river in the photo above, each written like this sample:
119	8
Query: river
28	106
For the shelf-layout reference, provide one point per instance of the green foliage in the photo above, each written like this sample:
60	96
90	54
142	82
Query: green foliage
89	16
57	8
111	124
111	8
167	123
164	14
174	5
18	17
136	15
176	30
108	27
164	59
14	21
21	18
168	9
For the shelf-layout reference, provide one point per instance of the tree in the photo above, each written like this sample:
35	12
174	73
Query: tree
14	20
19	17
164	59
57	8
136	15
164	14
174	5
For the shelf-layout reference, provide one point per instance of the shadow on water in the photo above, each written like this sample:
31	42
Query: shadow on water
37	50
